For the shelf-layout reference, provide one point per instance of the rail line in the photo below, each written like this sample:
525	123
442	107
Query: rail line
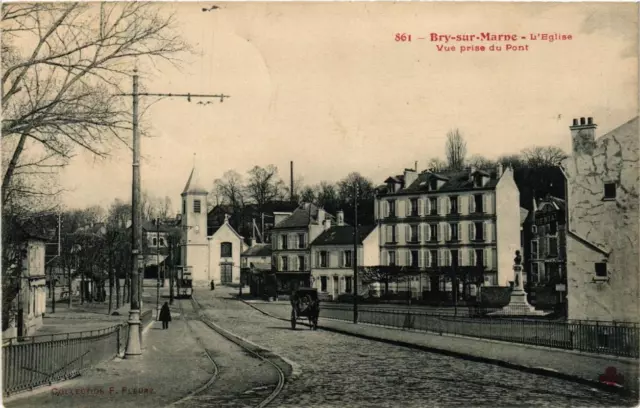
197	310
229	336
216	369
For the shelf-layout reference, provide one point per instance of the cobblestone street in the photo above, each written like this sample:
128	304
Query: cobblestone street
336	370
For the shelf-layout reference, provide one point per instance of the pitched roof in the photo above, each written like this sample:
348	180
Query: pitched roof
342	235
455	180
258	250
193	183
523	215
302	217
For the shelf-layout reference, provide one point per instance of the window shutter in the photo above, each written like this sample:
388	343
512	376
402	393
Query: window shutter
460	258
485	204
427	258
449	232
420	207
472	231
407	233
485	260
440	257
427	203
419	230
440	232
384	258
494	234
427	232
408	257
458	204
472	204
294	263
389	233
484	232
472	257
421	258
448	255
494	259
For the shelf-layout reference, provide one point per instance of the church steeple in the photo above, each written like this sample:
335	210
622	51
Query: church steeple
193	183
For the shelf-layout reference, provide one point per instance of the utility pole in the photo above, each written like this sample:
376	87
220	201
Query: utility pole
157	268
355	255
133	341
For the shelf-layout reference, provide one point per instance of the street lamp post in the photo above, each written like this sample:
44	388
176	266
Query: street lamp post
158	268
133	340
355	255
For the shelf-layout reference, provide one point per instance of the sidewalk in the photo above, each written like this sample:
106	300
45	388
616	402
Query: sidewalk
172	365
567	364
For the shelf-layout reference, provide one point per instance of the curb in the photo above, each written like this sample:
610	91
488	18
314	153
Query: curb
501	363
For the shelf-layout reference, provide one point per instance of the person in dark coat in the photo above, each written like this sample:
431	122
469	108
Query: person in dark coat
165	315
213	285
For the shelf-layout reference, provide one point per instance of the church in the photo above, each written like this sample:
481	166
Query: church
210	254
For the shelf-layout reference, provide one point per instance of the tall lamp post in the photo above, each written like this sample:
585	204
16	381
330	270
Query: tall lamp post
355	254
133	341
157	268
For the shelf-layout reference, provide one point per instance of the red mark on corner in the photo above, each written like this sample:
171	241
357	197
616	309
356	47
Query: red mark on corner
612	377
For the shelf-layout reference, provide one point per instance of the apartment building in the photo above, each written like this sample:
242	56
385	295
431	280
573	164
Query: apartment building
290	250
441	221
332	257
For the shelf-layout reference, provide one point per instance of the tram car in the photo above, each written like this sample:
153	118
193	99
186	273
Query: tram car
184	282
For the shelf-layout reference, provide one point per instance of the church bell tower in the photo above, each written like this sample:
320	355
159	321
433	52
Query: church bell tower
195	247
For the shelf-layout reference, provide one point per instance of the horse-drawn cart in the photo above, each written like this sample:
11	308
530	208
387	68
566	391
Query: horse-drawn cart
305	303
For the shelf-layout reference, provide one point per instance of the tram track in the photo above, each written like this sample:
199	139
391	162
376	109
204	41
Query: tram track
208	395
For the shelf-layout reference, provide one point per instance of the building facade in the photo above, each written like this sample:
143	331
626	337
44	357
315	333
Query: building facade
255	266
290	238
332	257
602	223
449	220
225	246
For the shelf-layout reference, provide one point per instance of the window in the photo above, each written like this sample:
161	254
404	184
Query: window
553	228
283	242
454	231
414	259
478	203
413	233
553	246
479	257
434	232
534	249
196	206
393	233
392	258
414	207
226	248
162	242
392	208
601	269
433	203
434	257
347	282
155	242
285	263
323	259
347	259
454	258
479	231
534	229
301	265
609	191
300	240
433	184
454	204
535	273
323	284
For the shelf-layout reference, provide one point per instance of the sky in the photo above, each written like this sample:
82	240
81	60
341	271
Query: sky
327	86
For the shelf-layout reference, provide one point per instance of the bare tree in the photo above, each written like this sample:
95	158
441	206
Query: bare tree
62	66
346	187
456	150
481	162
307	195
435	164
540	156
231	190
264	185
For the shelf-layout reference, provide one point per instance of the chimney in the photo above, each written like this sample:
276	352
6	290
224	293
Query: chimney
327	224
472	170
252	243
340	216
320	216
499	171
583	135
292	198
415	166
410	175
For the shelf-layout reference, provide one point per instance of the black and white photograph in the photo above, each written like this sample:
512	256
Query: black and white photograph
320	204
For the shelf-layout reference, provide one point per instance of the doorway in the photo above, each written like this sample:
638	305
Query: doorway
226	273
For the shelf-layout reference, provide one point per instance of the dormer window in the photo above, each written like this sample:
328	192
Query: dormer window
433	184
477	180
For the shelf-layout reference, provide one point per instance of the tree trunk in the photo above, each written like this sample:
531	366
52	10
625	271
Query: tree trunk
110	287
69	284
117	278
82	287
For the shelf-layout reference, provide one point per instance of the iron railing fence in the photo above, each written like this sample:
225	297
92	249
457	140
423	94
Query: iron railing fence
613	338
29	362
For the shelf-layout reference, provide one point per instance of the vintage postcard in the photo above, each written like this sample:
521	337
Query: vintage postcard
320	204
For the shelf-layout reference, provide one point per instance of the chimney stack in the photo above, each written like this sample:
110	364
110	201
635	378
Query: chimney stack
320	216
410	175
327	224
583	135
292	198
340	216
499	171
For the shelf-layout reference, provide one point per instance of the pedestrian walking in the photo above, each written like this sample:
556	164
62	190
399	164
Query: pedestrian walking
165	315
213	285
